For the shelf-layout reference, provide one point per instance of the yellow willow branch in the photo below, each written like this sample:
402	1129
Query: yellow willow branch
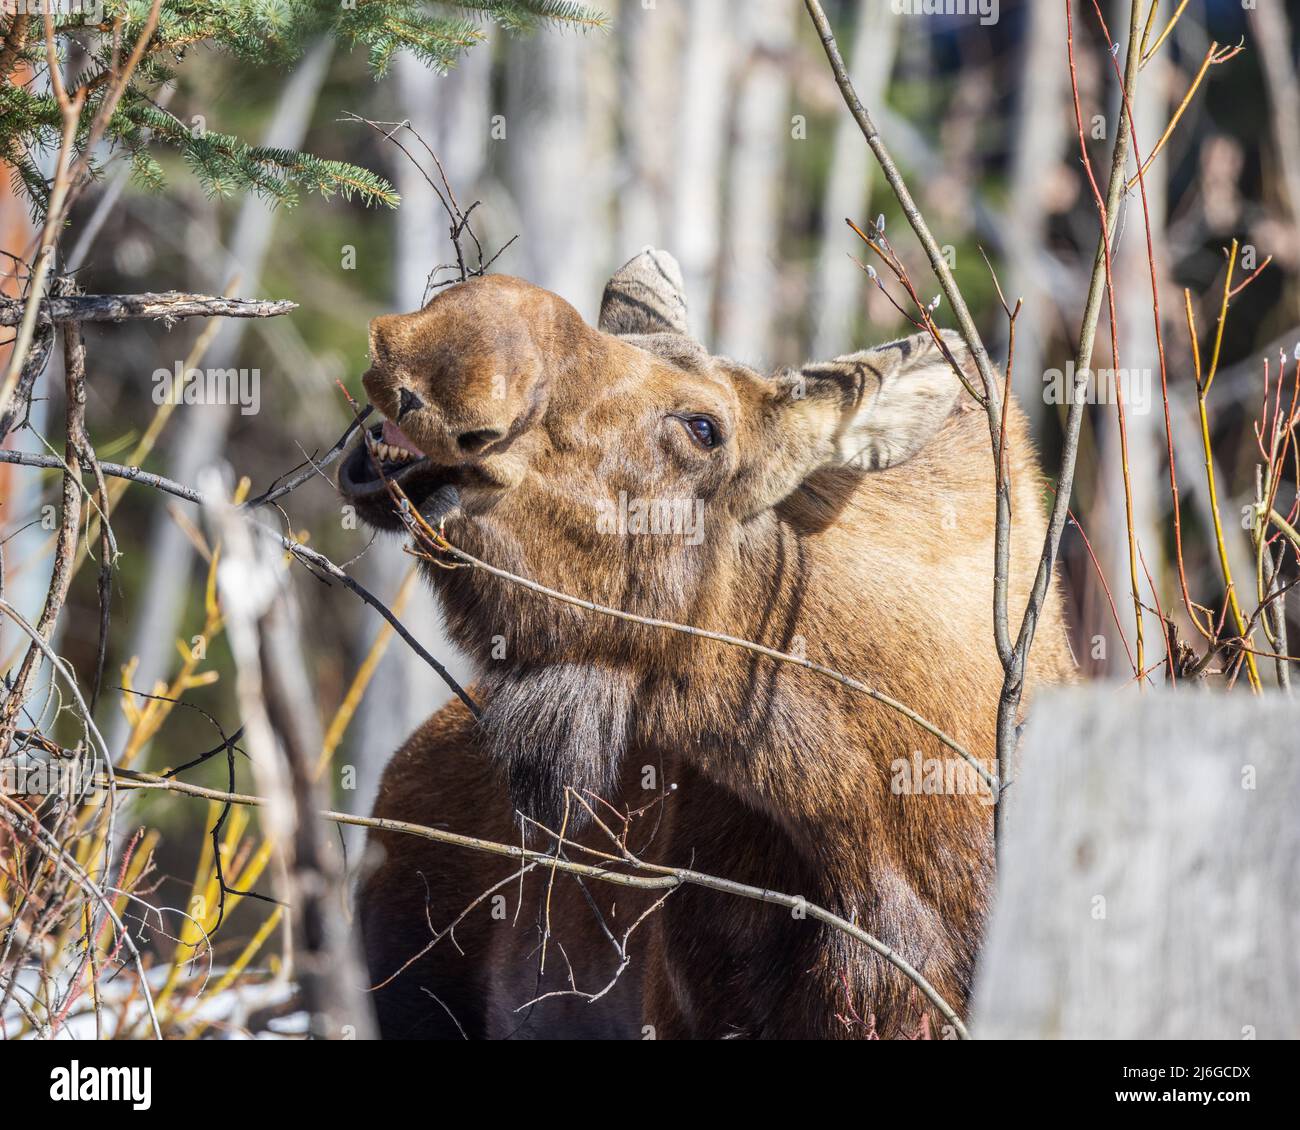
1173	20
1202	392
1210	61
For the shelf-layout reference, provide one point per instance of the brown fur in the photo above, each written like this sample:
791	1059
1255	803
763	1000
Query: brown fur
768	774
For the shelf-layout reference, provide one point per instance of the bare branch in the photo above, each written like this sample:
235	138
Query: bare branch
169	306
662	879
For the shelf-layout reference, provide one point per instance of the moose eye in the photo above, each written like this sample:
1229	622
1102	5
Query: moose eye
704	431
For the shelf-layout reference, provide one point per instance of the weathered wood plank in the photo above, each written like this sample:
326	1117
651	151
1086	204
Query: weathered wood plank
1150	881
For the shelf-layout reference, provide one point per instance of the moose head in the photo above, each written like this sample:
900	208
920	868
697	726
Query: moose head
625	465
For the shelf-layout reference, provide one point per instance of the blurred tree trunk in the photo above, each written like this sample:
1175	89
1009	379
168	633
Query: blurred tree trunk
28	555
706	75
750	276
202	428
25	579
837	286
1043	118
649	45
452	112
1273	35
1140	358
548	167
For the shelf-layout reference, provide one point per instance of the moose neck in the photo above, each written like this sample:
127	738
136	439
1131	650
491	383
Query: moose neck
574	692
766	732
785	784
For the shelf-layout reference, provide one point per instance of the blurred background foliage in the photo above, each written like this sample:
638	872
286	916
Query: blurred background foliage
711	128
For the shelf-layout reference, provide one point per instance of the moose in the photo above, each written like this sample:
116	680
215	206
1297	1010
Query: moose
846	516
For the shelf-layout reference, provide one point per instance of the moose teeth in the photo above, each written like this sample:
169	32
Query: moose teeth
390	454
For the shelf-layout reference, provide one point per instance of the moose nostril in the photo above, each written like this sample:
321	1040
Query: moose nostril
407	402
473	442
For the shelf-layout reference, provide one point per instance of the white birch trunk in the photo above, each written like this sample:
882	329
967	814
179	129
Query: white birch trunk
1272	35
649	46
837	285
751	251
547	166
1139	359
1040	137
708	60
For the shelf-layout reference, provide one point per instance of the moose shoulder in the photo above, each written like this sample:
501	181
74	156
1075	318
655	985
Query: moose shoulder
843	512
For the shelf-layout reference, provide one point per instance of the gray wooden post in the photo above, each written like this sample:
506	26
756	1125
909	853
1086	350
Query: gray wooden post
1150	884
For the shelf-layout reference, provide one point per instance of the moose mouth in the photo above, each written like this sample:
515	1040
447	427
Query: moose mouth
374	462
384	458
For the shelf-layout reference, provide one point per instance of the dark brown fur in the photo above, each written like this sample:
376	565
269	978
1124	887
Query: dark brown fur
780	778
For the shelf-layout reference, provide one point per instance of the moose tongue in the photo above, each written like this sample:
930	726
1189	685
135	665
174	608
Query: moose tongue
395	437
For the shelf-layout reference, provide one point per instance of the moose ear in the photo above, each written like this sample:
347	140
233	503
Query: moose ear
646	296
878	408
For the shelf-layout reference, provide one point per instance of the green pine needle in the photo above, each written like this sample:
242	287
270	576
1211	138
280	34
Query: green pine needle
255	32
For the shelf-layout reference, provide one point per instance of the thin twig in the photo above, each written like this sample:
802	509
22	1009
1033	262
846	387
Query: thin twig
309	557
441	544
